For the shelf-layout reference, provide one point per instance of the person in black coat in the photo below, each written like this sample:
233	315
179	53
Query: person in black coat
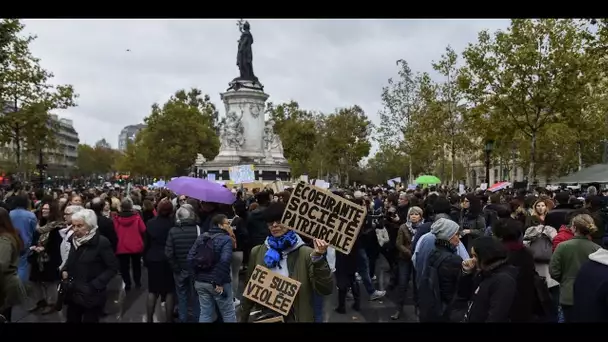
105	225
160	275
45	258
346	267
447	262
91	265
508	231
487	286
591	290
557	216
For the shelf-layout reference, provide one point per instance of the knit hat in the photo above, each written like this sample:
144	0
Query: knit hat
444	229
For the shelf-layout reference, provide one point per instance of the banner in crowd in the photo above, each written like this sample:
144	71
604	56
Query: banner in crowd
242	174
393	182
317	213
271	290
276	186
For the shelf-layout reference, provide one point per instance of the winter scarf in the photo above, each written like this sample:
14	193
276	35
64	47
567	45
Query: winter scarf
276	245
79	241
45	232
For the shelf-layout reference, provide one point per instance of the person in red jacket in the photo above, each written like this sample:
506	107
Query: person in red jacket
565	233
130	229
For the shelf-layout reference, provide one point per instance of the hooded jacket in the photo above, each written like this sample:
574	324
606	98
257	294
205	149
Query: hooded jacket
257	227
130	229
489	294
591	289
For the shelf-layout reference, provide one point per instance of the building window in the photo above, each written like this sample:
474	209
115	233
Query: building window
495	175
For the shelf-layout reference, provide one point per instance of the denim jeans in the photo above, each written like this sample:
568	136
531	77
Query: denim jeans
23	268
235	267
363	268
317	307
554	291
208	300
186	298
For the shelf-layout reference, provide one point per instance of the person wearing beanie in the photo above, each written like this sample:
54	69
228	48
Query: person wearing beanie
445	259
440	229
441	208
285	253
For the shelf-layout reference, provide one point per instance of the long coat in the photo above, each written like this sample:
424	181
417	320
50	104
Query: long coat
12	291
47	271
313	276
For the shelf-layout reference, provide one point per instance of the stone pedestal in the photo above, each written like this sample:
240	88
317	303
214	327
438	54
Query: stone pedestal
243	134
246	137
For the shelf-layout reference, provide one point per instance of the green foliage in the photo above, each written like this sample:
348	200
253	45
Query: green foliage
318	144
297	129
526	79
386	164
96	160
185	125
347	139
27	94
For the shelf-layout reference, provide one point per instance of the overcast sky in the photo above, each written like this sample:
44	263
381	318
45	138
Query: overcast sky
322	64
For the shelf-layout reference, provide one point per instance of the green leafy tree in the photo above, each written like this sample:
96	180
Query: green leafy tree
27	94
448	111
403	120
135	160
386	164
297	129
347	139
527	76
96	160
184	126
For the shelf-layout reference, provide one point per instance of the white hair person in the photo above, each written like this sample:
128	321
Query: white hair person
67	232
84	225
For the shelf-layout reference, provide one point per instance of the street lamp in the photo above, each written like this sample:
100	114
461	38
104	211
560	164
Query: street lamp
489	146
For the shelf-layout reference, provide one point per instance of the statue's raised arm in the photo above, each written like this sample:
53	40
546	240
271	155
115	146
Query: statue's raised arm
244	56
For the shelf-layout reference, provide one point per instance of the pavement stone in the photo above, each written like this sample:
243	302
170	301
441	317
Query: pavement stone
130	307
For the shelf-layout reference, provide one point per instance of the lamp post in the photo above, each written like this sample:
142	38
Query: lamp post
489	146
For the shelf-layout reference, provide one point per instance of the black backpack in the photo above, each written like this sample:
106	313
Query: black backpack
431	308
204	257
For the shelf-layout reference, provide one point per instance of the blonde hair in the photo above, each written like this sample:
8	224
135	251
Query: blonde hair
414	210
584	224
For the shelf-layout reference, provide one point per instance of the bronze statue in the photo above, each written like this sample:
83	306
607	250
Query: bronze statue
244	56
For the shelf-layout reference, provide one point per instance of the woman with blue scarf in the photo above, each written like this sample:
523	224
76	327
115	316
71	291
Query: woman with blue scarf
285	253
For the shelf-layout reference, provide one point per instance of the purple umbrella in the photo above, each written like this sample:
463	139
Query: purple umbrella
201	189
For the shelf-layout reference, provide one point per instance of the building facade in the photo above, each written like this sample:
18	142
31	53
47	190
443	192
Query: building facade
128	133
61	160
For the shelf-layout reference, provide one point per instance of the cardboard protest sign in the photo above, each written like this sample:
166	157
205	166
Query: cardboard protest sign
317	213
276	186
278	319
271	290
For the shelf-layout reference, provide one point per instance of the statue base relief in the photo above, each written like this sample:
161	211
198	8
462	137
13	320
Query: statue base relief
243	136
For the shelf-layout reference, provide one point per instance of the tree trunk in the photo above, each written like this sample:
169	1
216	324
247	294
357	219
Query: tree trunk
579	152
532	165
410	174
18	148
453	166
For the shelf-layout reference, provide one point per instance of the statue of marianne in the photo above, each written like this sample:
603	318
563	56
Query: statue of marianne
244	56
